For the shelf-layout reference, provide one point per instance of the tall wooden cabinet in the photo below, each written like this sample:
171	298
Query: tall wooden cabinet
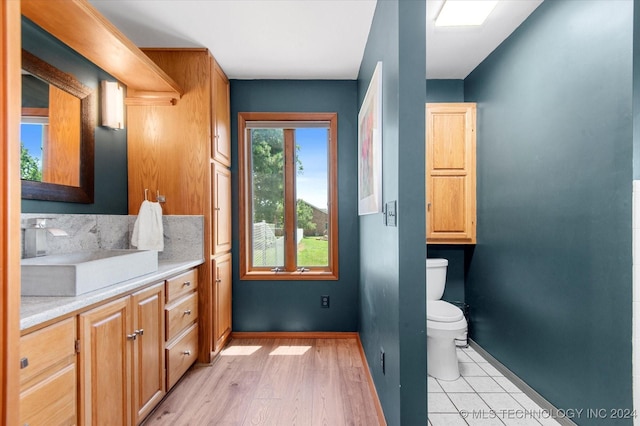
183	152
451	173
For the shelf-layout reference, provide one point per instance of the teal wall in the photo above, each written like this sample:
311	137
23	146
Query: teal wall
392	274
110	145
636	89
295	305
550	284
445	90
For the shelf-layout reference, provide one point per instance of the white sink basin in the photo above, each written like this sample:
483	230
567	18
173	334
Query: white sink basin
72	274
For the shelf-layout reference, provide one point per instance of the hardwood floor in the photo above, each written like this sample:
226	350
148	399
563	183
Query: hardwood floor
275	381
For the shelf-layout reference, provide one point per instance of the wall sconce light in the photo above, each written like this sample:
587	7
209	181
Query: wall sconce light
112	104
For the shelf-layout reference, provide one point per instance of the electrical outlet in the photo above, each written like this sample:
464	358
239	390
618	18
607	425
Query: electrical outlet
324	301
382	359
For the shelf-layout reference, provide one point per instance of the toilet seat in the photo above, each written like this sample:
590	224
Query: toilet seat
441	311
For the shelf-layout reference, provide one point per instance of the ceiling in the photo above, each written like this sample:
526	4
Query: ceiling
300	39
453	52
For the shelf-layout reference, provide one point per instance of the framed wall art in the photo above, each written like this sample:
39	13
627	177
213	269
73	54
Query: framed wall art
370	147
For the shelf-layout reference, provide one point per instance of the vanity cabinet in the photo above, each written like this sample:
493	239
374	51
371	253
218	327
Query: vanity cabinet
148	350
181	319
451	173
48	375
184	153
122	358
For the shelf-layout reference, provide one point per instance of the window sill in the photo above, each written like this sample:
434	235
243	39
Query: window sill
289	276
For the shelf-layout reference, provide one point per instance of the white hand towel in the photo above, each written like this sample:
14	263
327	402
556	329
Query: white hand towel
147	229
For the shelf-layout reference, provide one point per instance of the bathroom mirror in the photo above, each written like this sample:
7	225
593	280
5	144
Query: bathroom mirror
57	134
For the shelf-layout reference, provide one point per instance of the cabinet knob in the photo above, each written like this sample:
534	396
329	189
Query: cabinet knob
187	312
140	332
24	363
218	280
186	353
132	336
186	283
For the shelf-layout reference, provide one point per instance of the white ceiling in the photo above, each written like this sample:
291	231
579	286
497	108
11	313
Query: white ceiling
300	39
453	52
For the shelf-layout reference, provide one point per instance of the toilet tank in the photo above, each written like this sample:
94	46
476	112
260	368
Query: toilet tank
436	278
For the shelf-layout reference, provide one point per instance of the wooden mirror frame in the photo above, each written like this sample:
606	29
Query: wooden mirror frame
83	193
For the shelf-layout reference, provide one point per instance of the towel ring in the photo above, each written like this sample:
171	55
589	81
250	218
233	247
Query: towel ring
159	198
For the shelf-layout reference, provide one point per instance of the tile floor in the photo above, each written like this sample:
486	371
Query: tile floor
481	396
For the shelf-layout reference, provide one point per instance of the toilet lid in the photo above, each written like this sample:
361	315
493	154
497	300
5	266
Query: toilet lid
439	310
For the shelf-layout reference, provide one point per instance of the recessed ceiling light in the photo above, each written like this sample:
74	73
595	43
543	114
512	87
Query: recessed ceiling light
464	12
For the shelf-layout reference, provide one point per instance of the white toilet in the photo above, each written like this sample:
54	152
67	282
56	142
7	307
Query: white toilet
445	323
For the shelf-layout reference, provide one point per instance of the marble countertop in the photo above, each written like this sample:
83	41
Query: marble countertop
35	310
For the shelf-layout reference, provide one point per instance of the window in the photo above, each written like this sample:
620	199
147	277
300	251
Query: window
288	196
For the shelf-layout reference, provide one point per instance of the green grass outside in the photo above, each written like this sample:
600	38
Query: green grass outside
313	251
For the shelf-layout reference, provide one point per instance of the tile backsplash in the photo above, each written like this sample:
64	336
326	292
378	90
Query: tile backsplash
183	235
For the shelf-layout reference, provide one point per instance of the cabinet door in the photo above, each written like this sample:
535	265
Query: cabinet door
222	269
451	173
221	200
105	364
221	149
148	354
52	401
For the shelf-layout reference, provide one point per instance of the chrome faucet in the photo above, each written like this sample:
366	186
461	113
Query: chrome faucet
35	237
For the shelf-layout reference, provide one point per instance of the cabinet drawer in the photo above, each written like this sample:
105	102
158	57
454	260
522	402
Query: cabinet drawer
52	401
180	314
181	354
182	284
47	347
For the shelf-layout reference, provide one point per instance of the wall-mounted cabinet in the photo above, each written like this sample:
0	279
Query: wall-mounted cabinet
184	152
451	173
